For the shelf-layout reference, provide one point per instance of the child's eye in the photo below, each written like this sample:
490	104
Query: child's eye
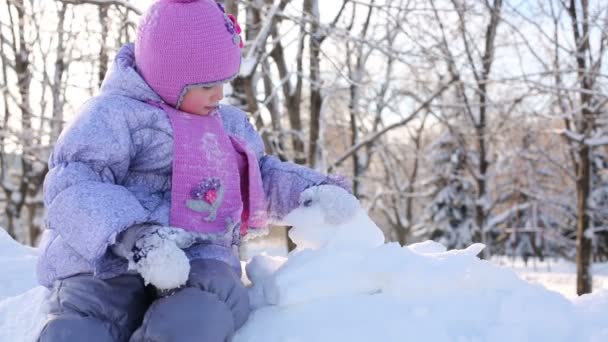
307	203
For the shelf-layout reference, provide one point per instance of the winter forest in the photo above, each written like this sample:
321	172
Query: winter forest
459	121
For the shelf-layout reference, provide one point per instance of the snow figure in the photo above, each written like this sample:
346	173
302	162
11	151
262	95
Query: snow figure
314	222
334	236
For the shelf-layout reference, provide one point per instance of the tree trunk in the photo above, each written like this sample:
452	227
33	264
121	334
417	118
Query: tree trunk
34	229
405	229
10	226
311	8
583	241
356	76
24	78
57	90
292	94
586	125
274	139
5	119
481	124
103	50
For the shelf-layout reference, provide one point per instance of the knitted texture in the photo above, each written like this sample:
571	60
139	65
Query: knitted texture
210	187
185	42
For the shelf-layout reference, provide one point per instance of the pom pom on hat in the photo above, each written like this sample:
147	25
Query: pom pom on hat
179	46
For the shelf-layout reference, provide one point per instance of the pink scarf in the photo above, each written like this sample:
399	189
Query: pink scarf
208	193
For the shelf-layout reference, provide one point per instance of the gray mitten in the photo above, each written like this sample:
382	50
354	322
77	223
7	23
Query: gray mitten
155	252
220	279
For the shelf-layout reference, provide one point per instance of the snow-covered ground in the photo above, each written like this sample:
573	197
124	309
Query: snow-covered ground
556	275
368	292
21	300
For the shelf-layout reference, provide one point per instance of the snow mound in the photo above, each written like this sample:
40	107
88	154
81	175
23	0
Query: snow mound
18	266
385	292
592	310
22	312
22	317
346	290
394	293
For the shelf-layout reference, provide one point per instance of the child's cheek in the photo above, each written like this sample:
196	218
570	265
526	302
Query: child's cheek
192	103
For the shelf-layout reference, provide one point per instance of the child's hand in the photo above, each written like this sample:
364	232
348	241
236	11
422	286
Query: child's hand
336	204
155	252
160	261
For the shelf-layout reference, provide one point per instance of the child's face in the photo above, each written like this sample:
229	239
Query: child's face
201	100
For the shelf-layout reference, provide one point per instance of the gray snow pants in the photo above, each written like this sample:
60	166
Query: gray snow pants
210	308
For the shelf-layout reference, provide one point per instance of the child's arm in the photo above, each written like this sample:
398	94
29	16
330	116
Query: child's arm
283	181
86	204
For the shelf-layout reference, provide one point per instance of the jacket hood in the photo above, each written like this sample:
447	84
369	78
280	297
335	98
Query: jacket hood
124	80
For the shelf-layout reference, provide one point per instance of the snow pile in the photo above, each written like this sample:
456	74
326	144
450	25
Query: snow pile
22	317
384	292
558	275
343	291
393	294
22	312
592	311
17	266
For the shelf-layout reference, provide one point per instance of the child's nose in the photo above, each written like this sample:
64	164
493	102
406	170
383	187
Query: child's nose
218	92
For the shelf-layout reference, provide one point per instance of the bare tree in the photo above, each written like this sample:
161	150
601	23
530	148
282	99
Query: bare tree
38	52
20	50
584	123
571	75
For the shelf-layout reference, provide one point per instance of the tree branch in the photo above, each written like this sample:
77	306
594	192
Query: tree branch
121	3
380	133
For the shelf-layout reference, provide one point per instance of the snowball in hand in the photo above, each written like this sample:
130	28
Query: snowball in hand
328	216
166	266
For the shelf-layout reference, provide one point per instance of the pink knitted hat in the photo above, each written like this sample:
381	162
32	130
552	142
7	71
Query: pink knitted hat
186	43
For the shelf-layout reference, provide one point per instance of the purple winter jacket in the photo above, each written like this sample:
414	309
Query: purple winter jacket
111	169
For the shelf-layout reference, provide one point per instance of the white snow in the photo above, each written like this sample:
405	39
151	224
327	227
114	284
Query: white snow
23	316
556	275
17	266
379	292
332	218
166	266
339	290
22	308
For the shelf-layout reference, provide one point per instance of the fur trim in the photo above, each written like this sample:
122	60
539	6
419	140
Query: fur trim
201	85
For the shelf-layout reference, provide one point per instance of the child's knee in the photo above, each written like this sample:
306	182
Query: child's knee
188	315
83	305
76	328
219	279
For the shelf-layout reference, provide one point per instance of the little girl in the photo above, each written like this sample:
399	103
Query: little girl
154	185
